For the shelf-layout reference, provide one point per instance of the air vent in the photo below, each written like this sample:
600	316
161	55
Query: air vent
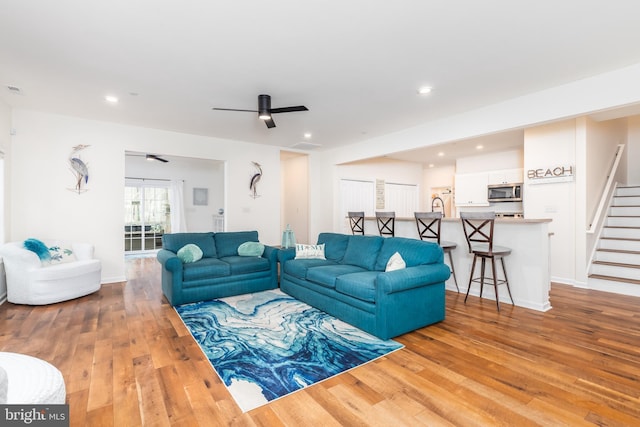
305	146
14	89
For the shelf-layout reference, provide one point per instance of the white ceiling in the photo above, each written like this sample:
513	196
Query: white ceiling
355	64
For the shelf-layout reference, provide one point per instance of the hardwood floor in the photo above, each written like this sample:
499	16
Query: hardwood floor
128	360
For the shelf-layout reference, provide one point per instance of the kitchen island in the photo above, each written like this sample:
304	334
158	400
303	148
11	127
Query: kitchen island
527	265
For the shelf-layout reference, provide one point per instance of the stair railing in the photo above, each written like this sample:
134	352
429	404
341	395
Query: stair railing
606	192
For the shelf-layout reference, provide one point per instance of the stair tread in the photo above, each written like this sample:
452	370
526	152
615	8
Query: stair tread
614	279
617	264
620	238
619	217
621	251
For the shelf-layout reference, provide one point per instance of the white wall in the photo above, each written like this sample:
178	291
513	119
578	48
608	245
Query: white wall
42	205
549	146
5	146
633	151
434	178
196	173
389	170
602	142
324	193
512	159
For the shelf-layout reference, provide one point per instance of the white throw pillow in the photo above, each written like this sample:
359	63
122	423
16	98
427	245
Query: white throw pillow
61	254
395	262
309	251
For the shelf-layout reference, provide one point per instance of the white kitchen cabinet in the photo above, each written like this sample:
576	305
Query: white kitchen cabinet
471	189
505	176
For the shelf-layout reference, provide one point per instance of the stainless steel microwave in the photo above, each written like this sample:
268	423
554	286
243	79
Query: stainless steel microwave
505	192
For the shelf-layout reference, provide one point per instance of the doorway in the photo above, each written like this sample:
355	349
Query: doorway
170	194
294	204
147	216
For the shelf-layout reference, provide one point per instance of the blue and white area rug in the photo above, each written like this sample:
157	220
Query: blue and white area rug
266	345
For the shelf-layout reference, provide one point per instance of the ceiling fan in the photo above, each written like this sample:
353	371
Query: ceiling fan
150	157
265	111
154	157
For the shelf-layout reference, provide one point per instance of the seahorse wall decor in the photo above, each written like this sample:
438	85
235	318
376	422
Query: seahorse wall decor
79	169
256	174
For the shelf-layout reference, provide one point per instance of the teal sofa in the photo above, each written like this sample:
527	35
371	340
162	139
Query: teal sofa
351	282
220	273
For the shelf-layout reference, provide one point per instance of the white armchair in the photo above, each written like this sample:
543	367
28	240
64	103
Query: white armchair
30	281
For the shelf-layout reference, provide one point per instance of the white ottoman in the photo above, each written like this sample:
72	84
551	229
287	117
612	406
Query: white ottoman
32	380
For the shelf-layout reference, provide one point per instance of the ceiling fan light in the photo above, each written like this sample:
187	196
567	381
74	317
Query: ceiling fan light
264	107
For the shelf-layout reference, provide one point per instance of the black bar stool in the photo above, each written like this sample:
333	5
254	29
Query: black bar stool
429	228
478	230
356	221
386	223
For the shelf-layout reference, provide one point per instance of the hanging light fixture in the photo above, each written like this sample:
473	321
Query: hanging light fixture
264	107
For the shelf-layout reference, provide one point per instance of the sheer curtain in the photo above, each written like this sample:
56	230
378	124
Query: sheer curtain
176	203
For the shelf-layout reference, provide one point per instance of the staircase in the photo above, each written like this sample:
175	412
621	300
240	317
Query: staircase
616	265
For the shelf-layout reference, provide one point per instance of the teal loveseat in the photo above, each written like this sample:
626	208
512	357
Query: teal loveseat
221	272
351	282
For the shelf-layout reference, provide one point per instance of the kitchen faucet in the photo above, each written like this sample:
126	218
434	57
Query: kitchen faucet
433	204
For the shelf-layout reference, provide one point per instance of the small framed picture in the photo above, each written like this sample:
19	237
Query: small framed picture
200	196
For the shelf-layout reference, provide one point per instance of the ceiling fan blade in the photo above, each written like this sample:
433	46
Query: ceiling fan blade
234	109
289	109
154	157
270	123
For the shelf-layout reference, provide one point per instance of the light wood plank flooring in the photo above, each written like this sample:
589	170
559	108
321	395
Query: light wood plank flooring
128	360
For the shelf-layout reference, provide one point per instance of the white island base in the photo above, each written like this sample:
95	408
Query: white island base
527	265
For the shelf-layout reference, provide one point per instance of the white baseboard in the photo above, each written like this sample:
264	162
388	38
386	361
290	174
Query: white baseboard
565	281
115	279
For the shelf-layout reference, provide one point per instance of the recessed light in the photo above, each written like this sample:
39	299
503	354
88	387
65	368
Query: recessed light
307	135
479	147
424	90
440	154
431	165
111	99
